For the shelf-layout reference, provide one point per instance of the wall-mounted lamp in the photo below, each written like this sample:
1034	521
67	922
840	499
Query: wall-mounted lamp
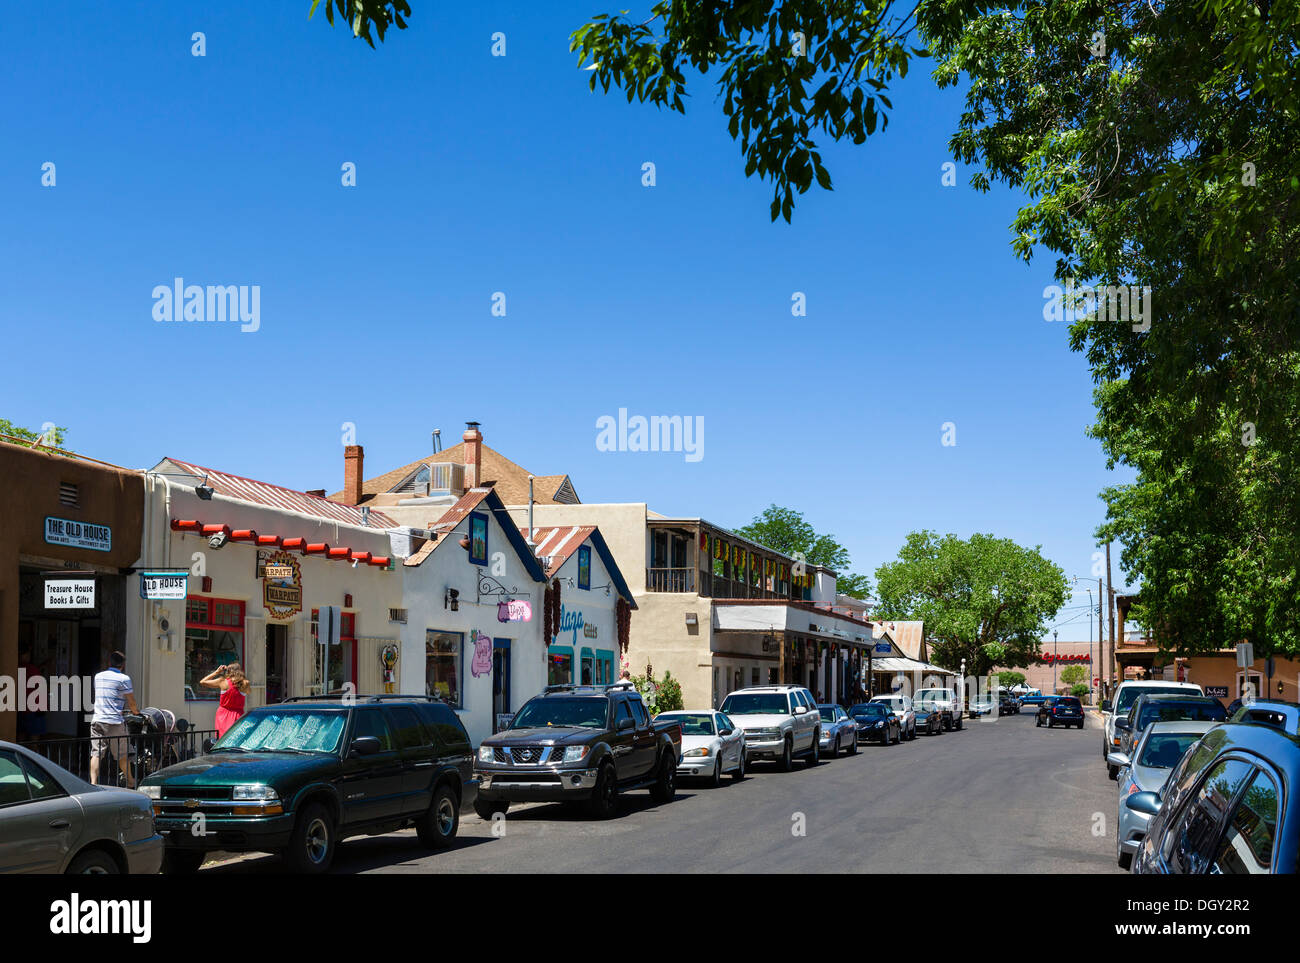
692	619
451	600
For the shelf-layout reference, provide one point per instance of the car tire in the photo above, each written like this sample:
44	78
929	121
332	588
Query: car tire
786	762
182	862
1112	772
94	862
739	774
835	752
853	746
959	723
815	753
665	787
437	828
912	737
312	843
486	809
716	779
604	798
1125	861
1038	721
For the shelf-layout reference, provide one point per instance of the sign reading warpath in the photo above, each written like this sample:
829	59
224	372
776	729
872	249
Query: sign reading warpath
282	586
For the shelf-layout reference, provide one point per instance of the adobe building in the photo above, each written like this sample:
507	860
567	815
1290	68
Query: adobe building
64	513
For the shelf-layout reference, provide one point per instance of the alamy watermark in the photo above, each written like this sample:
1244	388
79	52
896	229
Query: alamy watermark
40	693
216	302
684	433
1110	302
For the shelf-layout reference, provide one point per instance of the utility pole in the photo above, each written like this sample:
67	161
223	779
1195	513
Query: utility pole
1110	607
1056	652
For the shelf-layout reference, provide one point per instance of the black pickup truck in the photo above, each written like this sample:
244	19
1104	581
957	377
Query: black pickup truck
578	744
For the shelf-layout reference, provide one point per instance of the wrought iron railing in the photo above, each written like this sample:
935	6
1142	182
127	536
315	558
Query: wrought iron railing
148	752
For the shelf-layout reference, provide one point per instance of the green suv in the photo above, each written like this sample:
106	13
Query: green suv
297	777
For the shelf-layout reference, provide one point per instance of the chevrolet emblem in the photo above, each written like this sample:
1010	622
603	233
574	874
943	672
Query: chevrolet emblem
191	804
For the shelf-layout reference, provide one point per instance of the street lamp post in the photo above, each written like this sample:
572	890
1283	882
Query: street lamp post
1056	651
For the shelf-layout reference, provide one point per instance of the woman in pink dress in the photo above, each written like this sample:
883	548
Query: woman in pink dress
234	685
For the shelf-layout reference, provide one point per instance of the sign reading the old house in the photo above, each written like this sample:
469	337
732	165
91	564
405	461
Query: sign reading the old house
66	531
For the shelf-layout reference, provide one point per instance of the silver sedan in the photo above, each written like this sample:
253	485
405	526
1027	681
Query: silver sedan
712	745
53	822
1159	749
839	731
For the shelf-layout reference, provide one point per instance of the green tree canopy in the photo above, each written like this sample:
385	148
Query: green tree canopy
361	15
1009	677
986	600
18	435
786	531
1074	674
1158	149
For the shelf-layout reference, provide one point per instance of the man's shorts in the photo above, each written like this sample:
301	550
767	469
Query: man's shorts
109	737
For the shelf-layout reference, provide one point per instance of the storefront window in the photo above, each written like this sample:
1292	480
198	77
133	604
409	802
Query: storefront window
442	665
559	664
342	655
214	636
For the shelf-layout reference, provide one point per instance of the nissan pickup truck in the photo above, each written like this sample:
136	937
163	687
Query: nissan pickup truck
578	744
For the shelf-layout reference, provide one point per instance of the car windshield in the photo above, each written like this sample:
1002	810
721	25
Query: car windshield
933	695
755	704
285	730
693	724
870	709
891	703
588	713
1182	712
1163	751
1129	693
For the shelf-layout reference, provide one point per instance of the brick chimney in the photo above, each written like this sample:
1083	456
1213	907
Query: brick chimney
353	457
473	439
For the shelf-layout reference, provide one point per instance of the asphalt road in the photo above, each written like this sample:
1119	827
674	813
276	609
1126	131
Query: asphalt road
1001	796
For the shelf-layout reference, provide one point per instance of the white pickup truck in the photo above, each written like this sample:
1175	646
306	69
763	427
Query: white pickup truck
947	701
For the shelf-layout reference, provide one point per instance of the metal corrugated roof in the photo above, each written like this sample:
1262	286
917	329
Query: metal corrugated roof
276	496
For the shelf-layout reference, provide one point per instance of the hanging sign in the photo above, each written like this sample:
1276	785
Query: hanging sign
518	610
282	591
70	593
66	531
163	586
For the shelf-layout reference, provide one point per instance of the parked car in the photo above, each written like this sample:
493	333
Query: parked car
1061	711
838	731
1231	806
297	777
579	744
53	822
982	705
1148	708
1112	710
780	722
1008	705
929	718
712	745
1270	712
901	706
1158	751
876	723
947	700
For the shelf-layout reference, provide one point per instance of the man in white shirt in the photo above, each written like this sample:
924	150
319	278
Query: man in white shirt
113	697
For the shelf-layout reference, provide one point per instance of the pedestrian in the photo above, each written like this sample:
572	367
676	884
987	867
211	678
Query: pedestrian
234	686
113	696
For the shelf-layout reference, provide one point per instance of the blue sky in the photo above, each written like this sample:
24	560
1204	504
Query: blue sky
478	174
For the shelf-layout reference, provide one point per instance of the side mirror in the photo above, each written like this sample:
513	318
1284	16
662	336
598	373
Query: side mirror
1123	724
1117	759
624	725
726	732
365	746
1147	803
1105	705
207	745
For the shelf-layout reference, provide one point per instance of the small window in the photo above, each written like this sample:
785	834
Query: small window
1247	846
478	539
370	722
638	713
623	712
584	567
13	783
1193	833
40	782
410	734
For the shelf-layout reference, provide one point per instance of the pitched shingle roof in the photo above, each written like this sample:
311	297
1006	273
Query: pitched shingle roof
495	471
276	496
559	543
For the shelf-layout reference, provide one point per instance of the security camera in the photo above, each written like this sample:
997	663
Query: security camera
217	540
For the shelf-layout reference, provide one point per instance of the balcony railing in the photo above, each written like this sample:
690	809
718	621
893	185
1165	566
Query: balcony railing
670	579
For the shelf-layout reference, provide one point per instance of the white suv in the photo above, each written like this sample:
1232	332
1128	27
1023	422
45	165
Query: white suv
946	701
1112	710
780	722
901	706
